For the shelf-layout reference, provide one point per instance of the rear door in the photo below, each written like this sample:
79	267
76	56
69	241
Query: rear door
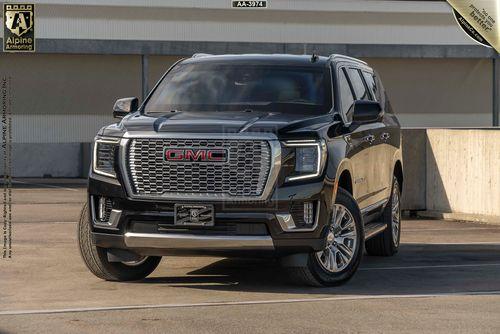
357	149
390	137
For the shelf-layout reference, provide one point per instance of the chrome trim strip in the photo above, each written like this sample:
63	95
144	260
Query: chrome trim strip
114	217
271	178
374	206
197	242
185	135
288	224
373	229
286	221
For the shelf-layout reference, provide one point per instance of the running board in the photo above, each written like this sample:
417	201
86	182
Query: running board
373	229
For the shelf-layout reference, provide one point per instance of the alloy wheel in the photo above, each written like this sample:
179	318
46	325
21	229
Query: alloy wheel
341	241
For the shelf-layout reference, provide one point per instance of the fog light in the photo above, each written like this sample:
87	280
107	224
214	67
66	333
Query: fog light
308	213
103	209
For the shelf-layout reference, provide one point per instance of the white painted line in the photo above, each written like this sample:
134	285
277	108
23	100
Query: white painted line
434	266
242	303
46	185
450	229
43	222
493	243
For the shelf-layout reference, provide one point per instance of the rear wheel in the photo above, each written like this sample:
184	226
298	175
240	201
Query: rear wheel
339	260
96	258
387	242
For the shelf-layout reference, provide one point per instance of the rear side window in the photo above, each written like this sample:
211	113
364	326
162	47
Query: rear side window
345	95
357	84
372	86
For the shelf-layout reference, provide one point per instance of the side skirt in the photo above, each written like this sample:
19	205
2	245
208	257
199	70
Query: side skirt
373	229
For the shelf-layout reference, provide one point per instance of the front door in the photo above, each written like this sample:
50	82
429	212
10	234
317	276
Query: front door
375	159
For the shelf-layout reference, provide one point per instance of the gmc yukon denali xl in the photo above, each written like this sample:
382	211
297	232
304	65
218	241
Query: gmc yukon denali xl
294	157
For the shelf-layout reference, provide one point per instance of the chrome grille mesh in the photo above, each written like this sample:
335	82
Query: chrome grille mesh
243	175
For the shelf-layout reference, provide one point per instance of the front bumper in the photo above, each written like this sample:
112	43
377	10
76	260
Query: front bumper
245	228
155	244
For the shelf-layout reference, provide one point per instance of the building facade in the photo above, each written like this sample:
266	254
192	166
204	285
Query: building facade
89	53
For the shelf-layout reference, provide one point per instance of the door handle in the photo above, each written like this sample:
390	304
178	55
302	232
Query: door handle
385	136
348	140
369	138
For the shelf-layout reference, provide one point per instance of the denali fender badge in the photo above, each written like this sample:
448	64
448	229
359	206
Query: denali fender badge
194	155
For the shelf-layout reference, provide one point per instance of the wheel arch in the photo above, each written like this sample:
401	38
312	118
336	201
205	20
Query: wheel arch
398	173
343	177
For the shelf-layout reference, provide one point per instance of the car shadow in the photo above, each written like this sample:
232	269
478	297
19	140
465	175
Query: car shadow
416	269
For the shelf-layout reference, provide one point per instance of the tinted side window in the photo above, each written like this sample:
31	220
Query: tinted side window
358	85
384	100
345	95
372	86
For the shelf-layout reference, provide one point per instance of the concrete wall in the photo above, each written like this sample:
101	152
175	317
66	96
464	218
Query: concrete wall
453	173
463	172
49	160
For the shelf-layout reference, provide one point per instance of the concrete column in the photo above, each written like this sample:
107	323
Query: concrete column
496	90
145	75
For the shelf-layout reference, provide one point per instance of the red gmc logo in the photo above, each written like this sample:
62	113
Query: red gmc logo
195	155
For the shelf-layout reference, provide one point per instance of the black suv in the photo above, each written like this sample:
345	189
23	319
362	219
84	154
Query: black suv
295	157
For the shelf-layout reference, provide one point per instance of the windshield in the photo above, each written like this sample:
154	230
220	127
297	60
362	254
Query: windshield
236	87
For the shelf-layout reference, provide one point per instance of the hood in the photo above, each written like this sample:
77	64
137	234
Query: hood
219	122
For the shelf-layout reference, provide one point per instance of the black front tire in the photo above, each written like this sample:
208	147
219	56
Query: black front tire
313	273
387	242
96	258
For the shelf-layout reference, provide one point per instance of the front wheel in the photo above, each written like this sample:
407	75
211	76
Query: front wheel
96	258
339	260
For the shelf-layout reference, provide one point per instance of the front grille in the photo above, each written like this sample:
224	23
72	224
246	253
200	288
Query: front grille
243	175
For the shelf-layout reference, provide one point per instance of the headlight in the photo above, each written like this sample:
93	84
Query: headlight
104	156
310	157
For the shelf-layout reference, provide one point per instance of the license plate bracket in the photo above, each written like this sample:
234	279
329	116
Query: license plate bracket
194	215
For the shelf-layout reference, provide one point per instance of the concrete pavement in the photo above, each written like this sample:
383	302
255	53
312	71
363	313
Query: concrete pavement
445	278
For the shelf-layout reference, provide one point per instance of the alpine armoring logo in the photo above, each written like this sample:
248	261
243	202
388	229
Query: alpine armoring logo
19	27
195	155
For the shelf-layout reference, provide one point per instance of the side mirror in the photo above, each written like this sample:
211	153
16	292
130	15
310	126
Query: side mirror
366	111
125	106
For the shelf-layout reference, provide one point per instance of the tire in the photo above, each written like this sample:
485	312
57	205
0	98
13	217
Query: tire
96	258
387	242
315	273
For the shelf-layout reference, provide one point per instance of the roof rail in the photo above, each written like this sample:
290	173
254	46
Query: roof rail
337	56
201	55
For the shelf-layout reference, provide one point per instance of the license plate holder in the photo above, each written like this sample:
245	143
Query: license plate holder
194	215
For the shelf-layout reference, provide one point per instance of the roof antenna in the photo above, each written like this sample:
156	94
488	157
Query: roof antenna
314	57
